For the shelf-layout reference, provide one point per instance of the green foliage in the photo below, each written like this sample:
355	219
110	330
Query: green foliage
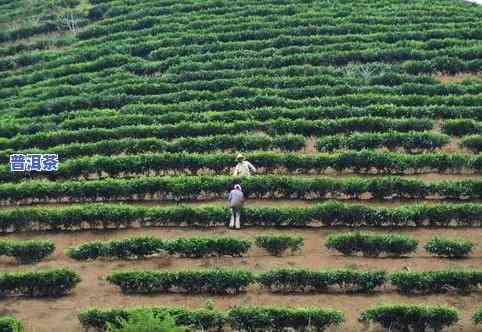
27	252
10	324
202	319
215	281
140	247
449	247
329	214
477	318
189	129
180	188
240	318
372	245
295	280
364	161
473	143
238	142
53	283
197	247
461	127
436	281
276	245
265	318
410	141
402	317
145	321
134	247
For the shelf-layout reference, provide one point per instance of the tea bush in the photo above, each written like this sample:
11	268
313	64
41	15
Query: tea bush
372	245
449	247
276	245
402	317
215	281
428	282
10	324
53	283
27	252
293	280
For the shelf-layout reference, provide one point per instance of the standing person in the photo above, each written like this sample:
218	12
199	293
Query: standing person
244	167
236	201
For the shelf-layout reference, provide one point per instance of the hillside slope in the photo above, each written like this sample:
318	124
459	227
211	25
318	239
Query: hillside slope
148	102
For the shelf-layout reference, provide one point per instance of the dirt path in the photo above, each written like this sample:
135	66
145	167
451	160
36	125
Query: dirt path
41	314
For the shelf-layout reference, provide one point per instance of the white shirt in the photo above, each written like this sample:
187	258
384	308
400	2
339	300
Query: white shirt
244	168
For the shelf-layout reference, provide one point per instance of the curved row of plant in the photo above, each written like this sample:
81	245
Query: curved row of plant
243	318
239	142
193	129
53	282
154	92
385	82
461	127
146	114
222	281
194	247
139	247
179	188
370	244
231	103
329	214
396	245
136	92
360	162
410	141
269	318
29	251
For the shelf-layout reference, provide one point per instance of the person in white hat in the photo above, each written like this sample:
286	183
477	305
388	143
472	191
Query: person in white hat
244	167
236	201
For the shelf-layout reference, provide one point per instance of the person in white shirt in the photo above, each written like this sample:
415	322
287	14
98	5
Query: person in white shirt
236	201
244	167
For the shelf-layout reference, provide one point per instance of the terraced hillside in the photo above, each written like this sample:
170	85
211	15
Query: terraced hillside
359	115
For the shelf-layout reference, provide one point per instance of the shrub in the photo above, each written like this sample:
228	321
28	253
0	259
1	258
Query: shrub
372	245
276	245
447	247
196	247
478	317
436	281
179	188
10	324
328	214
265	318
295	280
403	317
472	142
26	252
134	247
145	321
216	281
461	127
139	247
410	141
202	319
55	282
89	250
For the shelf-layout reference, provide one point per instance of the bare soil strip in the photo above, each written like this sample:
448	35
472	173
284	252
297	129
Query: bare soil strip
41	315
